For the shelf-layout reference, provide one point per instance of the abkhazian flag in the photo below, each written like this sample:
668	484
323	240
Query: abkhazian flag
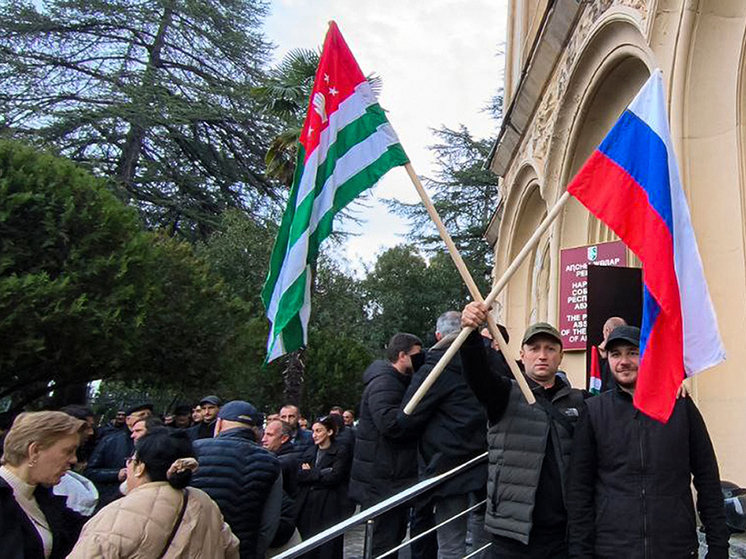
631	183
594	380
346	145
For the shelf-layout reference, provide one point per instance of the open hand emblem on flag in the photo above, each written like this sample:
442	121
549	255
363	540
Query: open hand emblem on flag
319	105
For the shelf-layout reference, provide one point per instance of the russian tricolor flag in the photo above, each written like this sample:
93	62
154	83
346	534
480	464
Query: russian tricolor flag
631	183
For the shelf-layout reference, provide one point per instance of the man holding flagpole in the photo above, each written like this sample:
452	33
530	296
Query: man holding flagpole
529	445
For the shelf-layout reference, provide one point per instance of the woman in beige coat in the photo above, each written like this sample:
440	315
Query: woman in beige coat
159	517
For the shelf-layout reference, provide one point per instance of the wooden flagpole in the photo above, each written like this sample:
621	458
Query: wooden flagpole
470	284
498	287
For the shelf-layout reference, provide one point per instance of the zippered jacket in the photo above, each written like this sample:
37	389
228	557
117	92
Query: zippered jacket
629	485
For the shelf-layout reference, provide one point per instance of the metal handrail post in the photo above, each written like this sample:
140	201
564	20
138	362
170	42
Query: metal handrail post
368	542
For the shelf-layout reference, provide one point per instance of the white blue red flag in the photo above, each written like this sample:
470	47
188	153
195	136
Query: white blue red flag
631	183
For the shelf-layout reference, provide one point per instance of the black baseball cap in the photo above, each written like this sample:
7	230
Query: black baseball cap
242	412
629	334
213	400
542	328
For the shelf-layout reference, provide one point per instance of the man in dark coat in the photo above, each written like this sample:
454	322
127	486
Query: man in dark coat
116	424
107	465
529	445
629	491
210	406
276	439
607	378
243	478
385	456
300	438
453	429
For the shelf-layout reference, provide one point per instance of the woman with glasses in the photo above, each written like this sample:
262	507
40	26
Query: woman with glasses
323	477
159	516
34	523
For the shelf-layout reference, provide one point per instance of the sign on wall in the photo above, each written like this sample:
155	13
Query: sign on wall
573	291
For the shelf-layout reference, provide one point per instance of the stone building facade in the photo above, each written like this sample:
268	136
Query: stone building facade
572	66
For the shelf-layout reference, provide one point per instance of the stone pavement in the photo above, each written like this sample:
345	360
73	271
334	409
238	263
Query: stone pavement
737	546
355	537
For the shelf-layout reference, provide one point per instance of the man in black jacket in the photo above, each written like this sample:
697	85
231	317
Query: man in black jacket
106	467
529	445
241	477
629	483
453	429
385	459
205	429
276	439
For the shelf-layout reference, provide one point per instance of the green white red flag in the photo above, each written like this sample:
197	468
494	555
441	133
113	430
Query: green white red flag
346	146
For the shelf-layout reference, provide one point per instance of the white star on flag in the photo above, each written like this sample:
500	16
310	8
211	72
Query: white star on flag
326	78
333	92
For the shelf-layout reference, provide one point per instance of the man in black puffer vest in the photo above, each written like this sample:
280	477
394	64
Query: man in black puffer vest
385	460
529	445
243	478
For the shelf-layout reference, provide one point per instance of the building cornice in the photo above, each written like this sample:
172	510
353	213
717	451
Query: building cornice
554	33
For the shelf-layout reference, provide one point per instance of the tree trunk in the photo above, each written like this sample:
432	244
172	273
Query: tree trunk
292	377
136	133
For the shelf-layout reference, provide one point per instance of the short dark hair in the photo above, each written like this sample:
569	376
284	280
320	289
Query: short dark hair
401	342
159	449
331	424
152	424
337	409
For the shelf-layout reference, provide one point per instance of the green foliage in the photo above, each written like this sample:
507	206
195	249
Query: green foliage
239	253
465	195
155	95
406	293
338	298
192	331
285	94
86	294
72	261
334	371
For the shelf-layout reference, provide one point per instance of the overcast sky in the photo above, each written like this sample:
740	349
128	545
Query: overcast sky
439	63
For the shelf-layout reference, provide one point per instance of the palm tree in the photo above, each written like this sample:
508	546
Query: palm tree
285	95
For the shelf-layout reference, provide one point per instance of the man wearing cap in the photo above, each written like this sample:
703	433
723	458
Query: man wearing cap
529	446
629	491
210	406
181	418
243	478
107	466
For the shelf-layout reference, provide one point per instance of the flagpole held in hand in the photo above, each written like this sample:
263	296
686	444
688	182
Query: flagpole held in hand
489	301
470	284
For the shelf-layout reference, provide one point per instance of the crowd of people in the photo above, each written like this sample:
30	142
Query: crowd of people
213	480
570	476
